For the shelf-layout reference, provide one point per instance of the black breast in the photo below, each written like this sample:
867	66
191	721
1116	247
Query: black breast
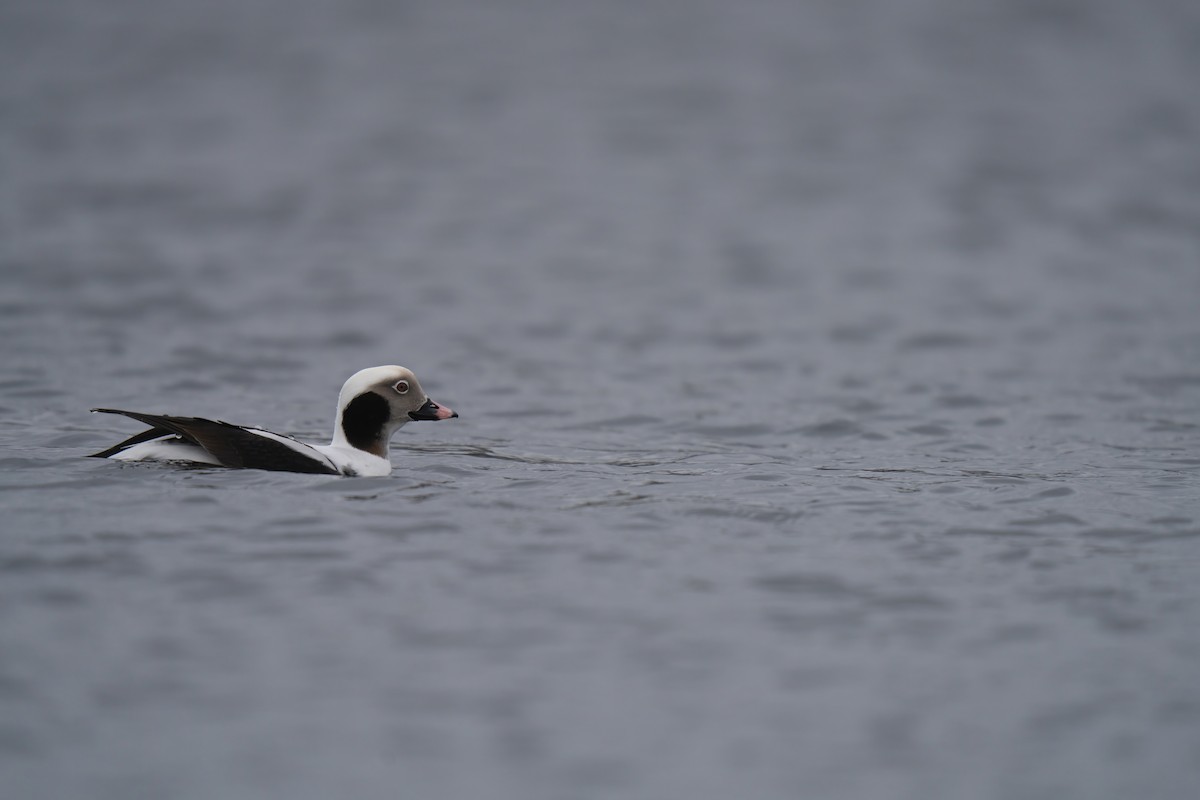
364	419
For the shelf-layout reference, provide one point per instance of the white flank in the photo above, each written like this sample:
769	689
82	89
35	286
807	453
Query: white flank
166	450
352	461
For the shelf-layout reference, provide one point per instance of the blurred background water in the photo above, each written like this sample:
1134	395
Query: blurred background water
829	376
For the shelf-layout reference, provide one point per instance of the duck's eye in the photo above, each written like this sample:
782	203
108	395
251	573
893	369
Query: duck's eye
401	387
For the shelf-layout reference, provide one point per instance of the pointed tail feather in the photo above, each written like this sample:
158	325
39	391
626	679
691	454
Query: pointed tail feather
155	432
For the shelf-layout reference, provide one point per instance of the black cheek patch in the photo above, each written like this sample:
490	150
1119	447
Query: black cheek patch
364	419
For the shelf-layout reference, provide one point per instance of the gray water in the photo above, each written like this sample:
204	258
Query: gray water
829	377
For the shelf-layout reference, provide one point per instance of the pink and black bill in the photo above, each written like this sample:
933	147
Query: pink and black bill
432	410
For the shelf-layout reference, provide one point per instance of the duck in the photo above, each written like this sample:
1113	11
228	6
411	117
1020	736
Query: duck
373	404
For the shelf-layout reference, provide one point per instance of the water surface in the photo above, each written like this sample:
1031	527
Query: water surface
829	377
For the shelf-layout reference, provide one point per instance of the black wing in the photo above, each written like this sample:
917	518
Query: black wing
232	445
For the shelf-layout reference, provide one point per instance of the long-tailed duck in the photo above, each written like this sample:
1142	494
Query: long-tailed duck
372	405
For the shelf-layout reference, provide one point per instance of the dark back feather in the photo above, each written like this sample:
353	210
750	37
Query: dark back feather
232	445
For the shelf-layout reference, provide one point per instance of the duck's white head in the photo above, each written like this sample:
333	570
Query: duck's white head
375	402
